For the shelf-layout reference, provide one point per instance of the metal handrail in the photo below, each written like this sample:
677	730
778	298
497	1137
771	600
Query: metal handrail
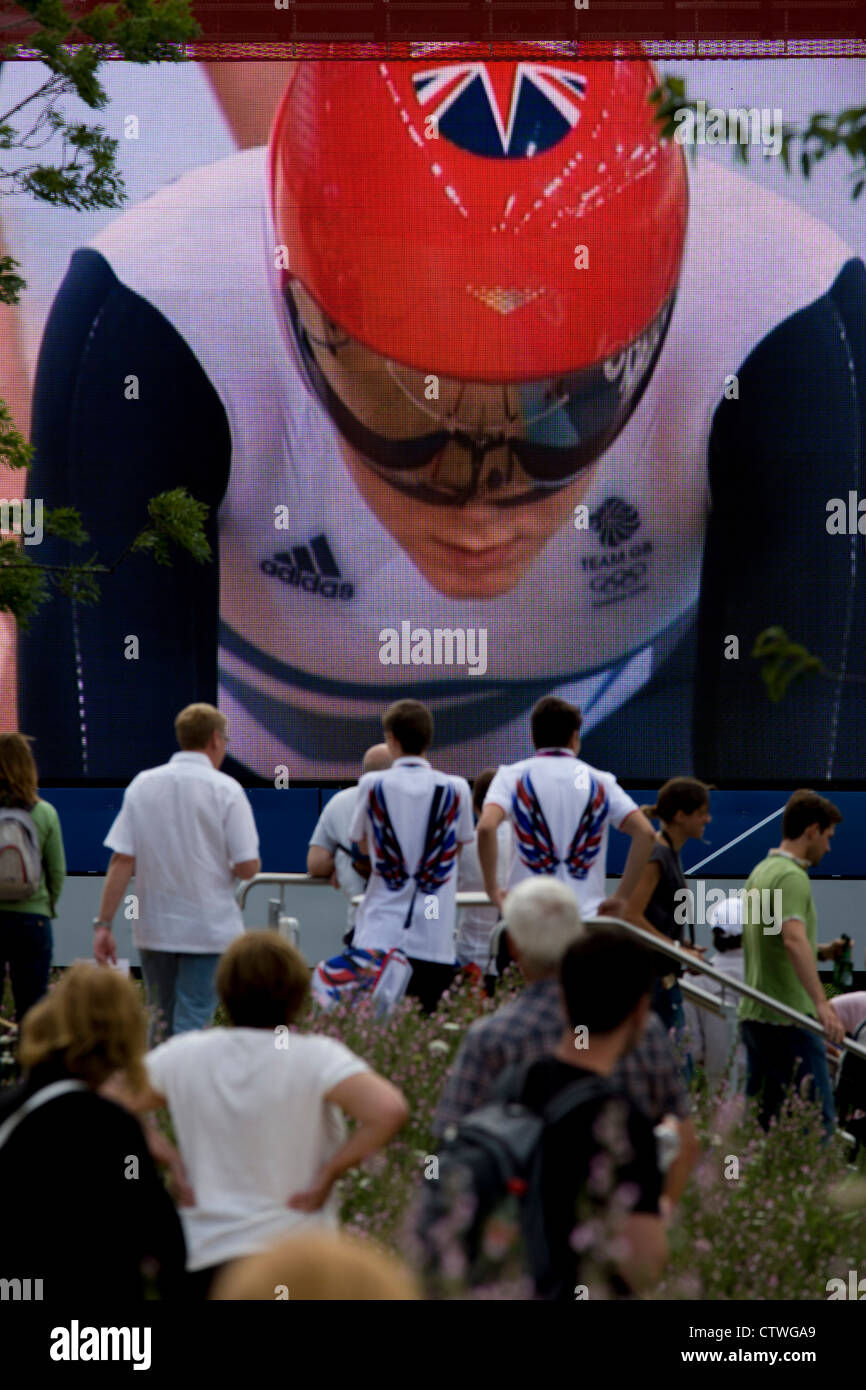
692	963
710	1002
479	899
299	880
739	986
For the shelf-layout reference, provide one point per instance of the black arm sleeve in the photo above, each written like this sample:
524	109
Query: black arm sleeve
94	712
794	439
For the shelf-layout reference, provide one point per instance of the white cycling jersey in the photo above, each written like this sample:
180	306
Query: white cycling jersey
303	608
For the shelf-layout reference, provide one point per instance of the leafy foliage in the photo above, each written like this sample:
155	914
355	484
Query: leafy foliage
83	175
24	585
783	1227
11	284
15	452
783	661
670	97
822	136
176	519
176	523
780	1229
65	523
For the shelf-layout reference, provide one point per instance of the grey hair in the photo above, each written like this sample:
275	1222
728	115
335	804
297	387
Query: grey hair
542	918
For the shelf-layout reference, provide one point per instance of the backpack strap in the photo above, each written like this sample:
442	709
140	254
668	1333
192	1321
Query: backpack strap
576	1093
21	815
510	1081
41	1097
431	828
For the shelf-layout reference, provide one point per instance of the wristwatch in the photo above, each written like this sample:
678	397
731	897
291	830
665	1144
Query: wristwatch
100	922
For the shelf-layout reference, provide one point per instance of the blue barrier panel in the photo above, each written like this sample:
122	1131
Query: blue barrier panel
285	819
735	838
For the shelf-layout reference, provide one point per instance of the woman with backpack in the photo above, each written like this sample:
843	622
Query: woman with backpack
32	871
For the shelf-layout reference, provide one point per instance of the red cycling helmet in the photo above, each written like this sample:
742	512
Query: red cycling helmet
432	208
482	256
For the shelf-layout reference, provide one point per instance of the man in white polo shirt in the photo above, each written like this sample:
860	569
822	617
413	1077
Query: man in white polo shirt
560	809
330	850
185	830
412	820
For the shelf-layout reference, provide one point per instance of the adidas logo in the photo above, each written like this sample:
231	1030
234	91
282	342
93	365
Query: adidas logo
312	568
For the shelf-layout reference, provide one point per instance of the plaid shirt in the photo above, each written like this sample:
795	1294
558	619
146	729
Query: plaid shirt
530	1027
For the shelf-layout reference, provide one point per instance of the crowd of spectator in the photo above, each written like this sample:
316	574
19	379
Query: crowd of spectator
257	1109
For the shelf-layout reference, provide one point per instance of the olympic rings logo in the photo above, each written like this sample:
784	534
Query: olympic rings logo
619	581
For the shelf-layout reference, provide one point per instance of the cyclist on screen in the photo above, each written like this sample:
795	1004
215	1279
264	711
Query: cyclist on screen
468	347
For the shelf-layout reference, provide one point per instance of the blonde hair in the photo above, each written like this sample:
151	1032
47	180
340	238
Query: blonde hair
18	776
195	724
318	1265
94	1021
542	918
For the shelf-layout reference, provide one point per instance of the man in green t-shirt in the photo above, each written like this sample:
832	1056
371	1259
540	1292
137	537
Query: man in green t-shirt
780	947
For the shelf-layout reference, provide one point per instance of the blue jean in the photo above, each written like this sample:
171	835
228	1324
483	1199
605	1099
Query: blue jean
777	1058
181	991
26	947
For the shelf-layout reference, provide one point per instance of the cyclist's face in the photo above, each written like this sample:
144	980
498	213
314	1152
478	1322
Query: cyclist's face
471	478
478	550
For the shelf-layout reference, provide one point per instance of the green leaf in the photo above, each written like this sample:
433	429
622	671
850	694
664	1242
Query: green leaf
80	583
11	284
177	519
65	523
15	451
783	661
23	583
852	115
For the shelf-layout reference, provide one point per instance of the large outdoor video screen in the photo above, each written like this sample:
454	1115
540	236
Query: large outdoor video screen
490	393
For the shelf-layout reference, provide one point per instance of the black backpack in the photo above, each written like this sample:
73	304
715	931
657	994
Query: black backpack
489	1175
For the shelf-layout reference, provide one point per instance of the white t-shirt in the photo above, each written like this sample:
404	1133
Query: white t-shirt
392	815
186	824
474	924
332	830
561	809
850	1009
253	1128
